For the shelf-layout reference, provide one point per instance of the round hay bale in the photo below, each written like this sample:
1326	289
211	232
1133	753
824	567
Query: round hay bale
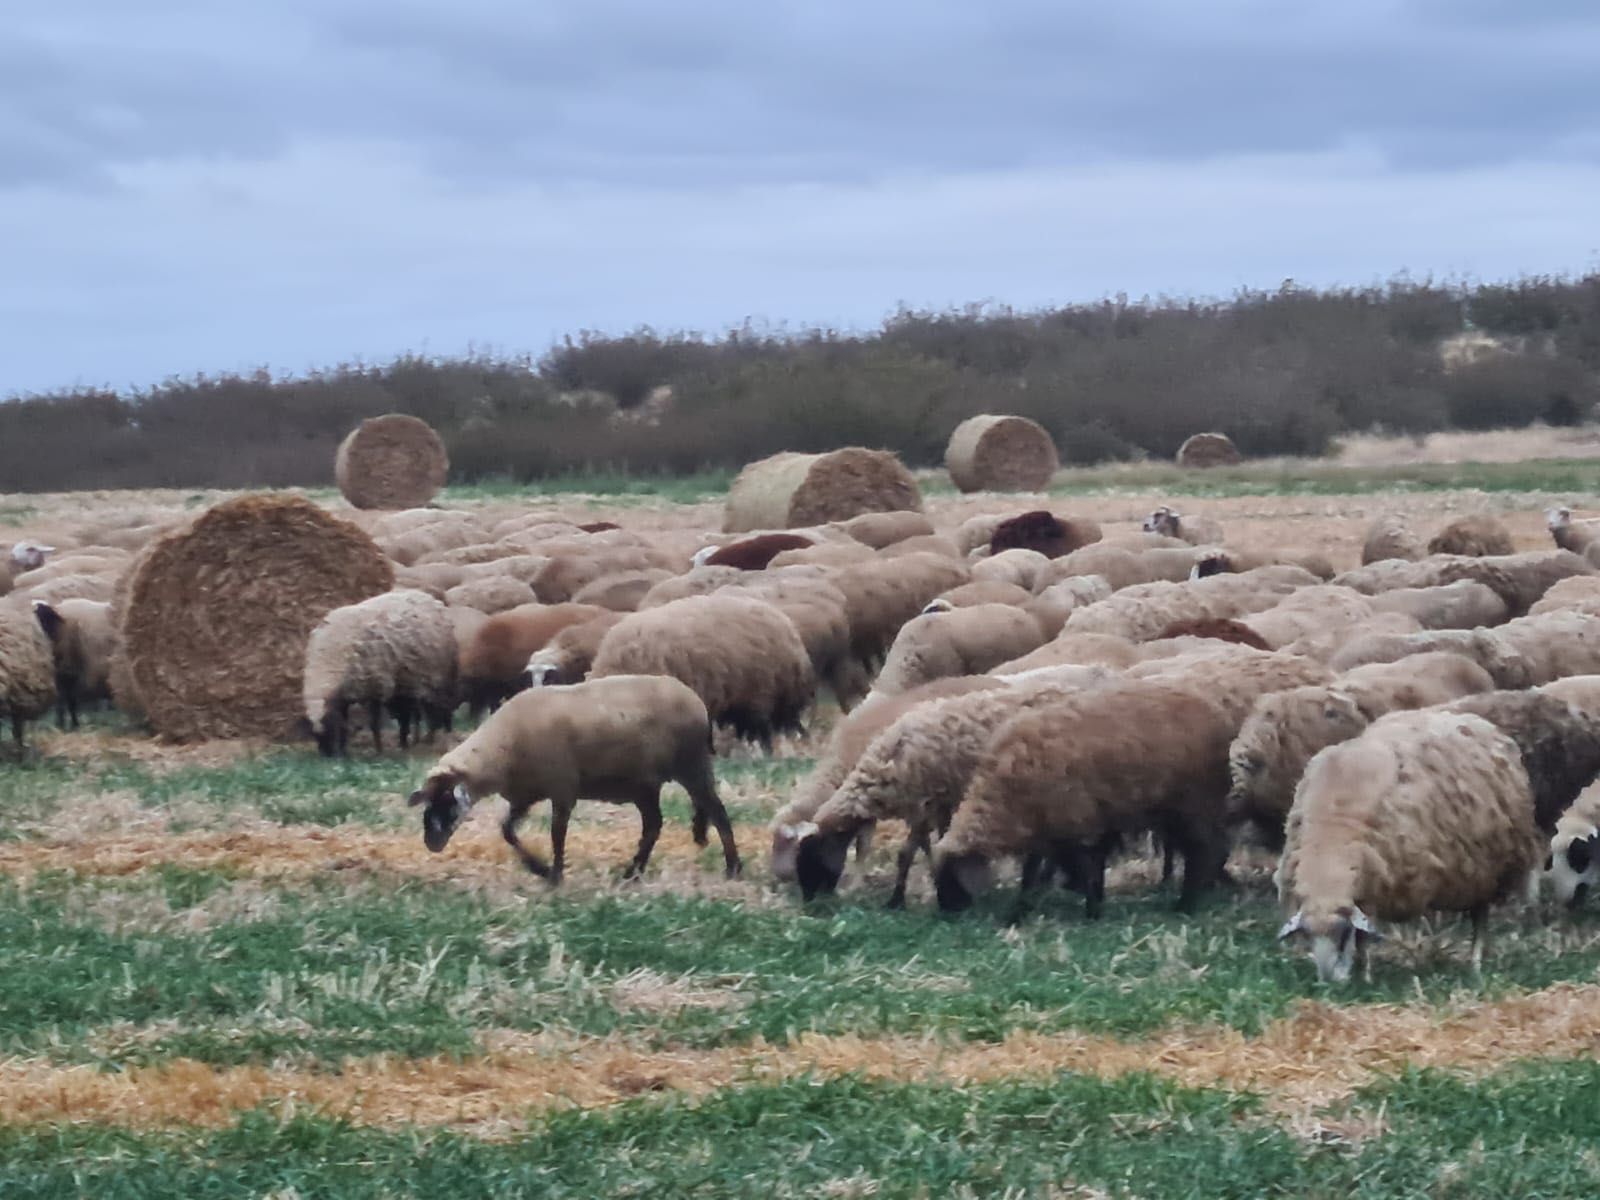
218	614
1209	450
790	490
1000	454
392	462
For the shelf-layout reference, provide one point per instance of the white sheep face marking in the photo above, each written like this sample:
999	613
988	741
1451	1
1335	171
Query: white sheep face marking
1573	868
29	556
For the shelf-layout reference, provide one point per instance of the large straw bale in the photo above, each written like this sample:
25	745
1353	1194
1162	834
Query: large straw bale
1209	450
1000	454
391	462
217	614
789	490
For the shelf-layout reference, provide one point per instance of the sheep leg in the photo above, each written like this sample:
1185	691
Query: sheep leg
916	839
1032	868
649	806
508	830
701	785
560	813
1480	937
404	709
16	733
375	719
72	704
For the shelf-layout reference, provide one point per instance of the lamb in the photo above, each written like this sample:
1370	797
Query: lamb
397	650
1389	537
916	770
1064	781
739	654
881	529
1017	565
1045	532
569	655
1464	604
849	740
1582	537
495	656
1477	536
1197	531
617	739
1572	866
753	553
959	641
27	669
21	558
1425	810
1286	729
1519	579
82	639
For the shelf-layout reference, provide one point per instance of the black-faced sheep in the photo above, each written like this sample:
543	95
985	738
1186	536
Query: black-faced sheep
27	669
618	739
1428	810
1041	530
957	641
1197	531
1477	536
82	639
496	655
1389	537
396	651
1065	781
741	655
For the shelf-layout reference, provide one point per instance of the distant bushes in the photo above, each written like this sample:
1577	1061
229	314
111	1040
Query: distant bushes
1281	372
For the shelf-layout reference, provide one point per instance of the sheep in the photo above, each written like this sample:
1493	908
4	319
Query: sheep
1559	745
27	669
1464	604
1140	613
1017	565
1477	536
430	577
1218	629
753	553
1075	649
1307	610
739	654
1053	605
698	581
1424	810
82	640
1197	531
1233	677
1224	560
848	741
974	534
20	559
617	739
981	591
929	543
1572	866
1519	579
881	529
71	587
1286	729
1389	537
1581	537
398	650
1067	779
1045	532
569	655
959	641
1323	644
1119	567
525	567
916	770
621	592
496	655
820	614
827	554
74	562
1522	653
495	594
1578	593
882	595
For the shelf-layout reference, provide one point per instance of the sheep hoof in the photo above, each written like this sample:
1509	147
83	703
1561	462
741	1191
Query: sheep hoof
896	903
734	870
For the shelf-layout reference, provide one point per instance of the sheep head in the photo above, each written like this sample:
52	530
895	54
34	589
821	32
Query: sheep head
819	860
1163	521
1557	518
958	878
446	799
1335	937
1573	867
29	556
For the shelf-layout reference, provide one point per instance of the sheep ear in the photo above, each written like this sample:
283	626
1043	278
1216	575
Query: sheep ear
1363	924
1292	926
416	798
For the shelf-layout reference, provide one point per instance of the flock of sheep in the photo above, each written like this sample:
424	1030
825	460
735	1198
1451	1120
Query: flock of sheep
1421	733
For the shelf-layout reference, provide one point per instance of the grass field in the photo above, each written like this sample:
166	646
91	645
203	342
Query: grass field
234	970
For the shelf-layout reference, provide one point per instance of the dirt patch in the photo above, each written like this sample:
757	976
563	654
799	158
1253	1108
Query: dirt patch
1317	1055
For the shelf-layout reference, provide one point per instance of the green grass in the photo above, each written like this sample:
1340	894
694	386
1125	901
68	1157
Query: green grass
1314	478
613	487
1527	1132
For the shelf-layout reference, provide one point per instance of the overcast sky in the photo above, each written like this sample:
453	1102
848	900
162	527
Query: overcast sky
193	185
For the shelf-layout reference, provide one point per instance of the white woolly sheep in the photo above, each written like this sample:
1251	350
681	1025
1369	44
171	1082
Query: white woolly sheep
969	595
1428	810
395	650
1018	565
1464	604
1323	644
1076	649
1197	531
1307	610
617	739
741	655
882	529
27	669
1065	781
959	641
82	639
568	656
1519	579
1578	593
1145	611
1054	604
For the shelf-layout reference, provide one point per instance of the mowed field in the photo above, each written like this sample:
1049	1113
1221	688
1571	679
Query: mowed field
234	970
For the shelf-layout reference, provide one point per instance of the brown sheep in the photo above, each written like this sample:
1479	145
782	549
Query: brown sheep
495	659
1040	530
753	553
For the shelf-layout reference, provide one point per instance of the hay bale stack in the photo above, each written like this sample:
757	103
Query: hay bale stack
217	615
1209	450
791	490
391	462
1000	454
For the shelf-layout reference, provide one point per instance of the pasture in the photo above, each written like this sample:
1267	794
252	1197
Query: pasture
233	969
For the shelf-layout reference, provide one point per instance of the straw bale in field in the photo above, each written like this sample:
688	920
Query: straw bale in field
391	462
1208	450
1000	454
790	490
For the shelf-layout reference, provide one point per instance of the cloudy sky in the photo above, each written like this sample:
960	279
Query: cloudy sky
211	185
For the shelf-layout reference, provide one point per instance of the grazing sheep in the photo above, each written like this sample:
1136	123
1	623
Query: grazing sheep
430	577
699	581
496	655
1075	649
82	639
1477	536
397	650
1064	781
1197	531
1223	560
1573	865
1118	566
882	529
820	615
1389	537
1053	605
1050	535
1518	579
1423	811
753	553
929	543
975	533
959	641
1140	613
741	655
882	595
618	739
1286	729
1559	744
569	655
916	770
1017	565
27	669
1523	653
1578	593
620	592
1580	537
1222	630
1460	605
1307	610
1233	677
827	554
849	740
1323	644
981	591
493	594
